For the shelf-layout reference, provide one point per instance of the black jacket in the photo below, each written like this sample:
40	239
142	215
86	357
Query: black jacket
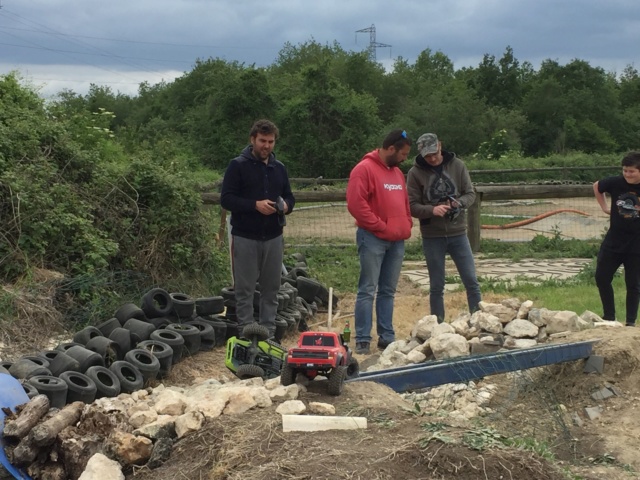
248	180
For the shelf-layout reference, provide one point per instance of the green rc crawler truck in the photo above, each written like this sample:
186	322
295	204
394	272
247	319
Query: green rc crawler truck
253	355
321	353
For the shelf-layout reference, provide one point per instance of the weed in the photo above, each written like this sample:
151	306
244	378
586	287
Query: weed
436	430
483	438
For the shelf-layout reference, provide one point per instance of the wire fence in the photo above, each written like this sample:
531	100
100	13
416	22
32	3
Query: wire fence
517	220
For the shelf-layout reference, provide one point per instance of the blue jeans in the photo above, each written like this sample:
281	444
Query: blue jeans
380	264
459	248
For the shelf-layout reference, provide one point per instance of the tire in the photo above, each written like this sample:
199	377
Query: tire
109	326
191	337
122	337
183	305
145	362
207	334
287	375
63	347
140	330
130	378
247	371
281	329
209	305
29	389
219	327
296	272
54	388
106	348
173	339
307	288
336	380
353	368
291	323
228	293
107	383
127	311
232	329
157	303
299	257
49	355
163	352
81	388
160	322
24	368
43	362
85	357
87	333
63	363
255	330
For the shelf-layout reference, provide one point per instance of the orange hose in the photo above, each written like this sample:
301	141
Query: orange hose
533	219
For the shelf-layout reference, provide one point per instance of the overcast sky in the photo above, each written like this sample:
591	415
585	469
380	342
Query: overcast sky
58	44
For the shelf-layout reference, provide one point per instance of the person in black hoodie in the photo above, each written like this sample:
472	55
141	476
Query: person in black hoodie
440	190
251	186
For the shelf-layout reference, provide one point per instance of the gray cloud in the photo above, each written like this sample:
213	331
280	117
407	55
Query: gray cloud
131	41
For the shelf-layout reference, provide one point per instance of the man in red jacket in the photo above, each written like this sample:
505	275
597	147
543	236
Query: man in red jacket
377	199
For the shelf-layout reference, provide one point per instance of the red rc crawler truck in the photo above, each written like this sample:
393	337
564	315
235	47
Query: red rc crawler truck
320	353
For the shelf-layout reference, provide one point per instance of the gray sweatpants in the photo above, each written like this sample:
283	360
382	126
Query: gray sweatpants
257	261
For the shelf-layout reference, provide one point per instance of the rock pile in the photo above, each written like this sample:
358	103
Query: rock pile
510	324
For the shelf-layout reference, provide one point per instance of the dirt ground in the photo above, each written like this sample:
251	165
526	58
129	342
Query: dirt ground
402	443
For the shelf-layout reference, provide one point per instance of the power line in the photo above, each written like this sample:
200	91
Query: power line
83	44
94	54
77	59
231	47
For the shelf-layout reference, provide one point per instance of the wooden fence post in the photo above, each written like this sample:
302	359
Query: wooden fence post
473	223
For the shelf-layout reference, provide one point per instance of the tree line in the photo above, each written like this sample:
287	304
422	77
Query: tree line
333	105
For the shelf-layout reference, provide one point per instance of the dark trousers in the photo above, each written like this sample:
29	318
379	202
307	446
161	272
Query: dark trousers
608	263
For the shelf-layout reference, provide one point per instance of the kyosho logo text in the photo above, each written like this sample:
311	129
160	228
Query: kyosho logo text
390	186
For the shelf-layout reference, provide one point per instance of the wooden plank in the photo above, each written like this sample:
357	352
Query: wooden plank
316	423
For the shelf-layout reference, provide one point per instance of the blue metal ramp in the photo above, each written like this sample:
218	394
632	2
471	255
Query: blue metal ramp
462	369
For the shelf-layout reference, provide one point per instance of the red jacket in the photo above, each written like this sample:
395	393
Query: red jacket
377	199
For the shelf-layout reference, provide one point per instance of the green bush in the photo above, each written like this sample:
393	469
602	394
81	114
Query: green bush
71	202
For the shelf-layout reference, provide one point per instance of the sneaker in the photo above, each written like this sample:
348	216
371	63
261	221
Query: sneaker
362	347
382	344
630	324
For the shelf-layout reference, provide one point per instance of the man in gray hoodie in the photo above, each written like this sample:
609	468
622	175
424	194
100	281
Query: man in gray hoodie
440	190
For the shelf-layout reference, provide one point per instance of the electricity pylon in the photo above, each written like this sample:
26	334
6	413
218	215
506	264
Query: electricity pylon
372	42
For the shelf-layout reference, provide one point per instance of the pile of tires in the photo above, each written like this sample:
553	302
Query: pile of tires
141	343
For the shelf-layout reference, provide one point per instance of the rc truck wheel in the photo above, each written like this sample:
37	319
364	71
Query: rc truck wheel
287	375
249	371
336	380
255	330
353	368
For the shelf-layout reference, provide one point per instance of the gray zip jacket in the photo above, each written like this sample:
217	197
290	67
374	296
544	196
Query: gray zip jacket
429	186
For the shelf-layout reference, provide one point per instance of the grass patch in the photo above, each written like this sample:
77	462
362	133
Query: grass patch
540	247
487	219
333	266
575	294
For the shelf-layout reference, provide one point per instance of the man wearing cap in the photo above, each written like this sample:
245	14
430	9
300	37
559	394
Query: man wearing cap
377	199
440	190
